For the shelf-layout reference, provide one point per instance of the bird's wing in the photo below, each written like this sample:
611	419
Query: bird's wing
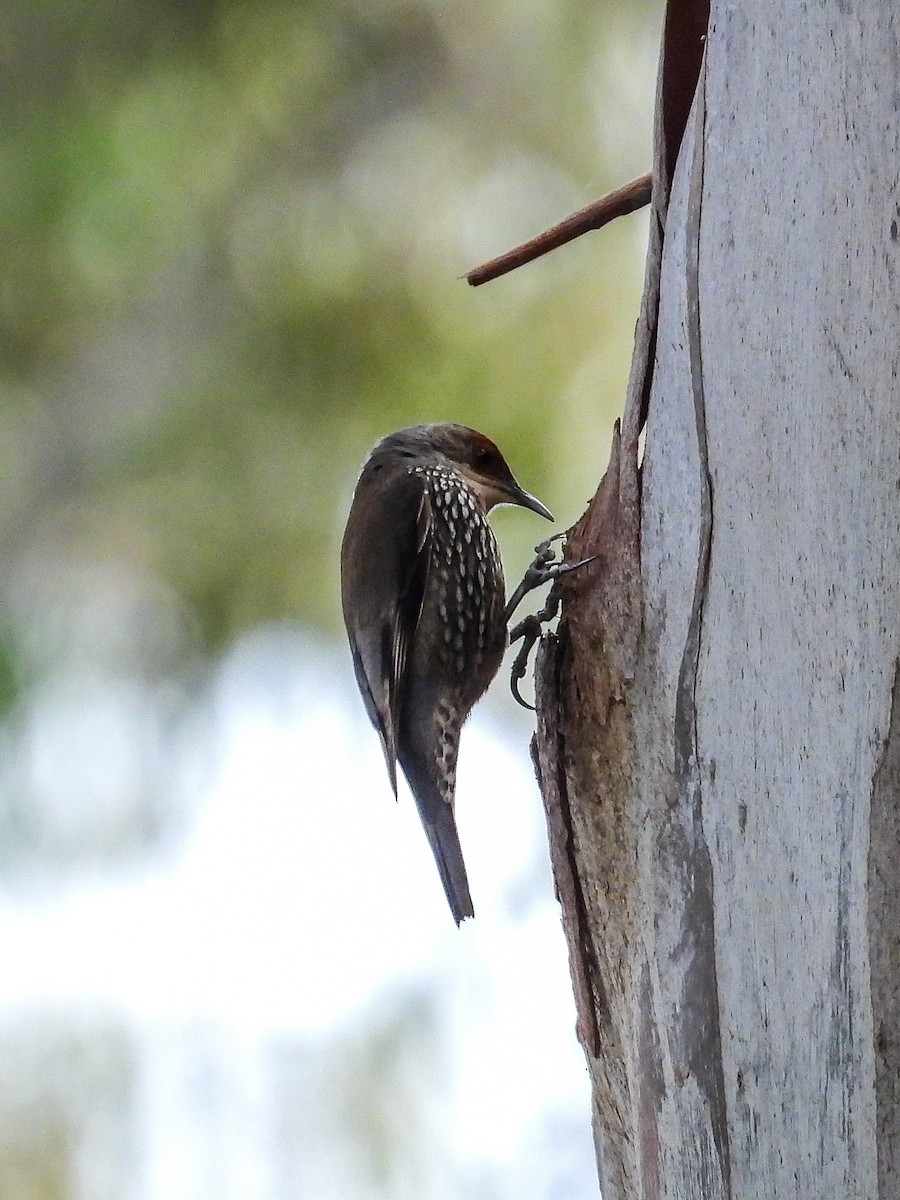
411	597
384	569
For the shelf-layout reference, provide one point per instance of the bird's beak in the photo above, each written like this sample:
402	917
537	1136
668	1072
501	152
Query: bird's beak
494	491
524	499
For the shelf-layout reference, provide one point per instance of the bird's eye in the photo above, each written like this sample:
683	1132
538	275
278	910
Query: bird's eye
483	456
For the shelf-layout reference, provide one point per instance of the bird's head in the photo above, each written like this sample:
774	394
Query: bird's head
470	453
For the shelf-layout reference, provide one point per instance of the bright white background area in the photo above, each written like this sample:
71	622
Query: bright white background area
275	1003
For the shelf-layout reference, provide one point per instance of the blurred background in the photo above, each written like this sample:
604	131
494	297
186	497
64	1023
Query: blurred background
232	239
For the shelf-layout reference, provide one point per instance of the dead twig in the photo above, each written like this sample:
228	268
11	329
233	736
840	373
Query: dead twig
626	199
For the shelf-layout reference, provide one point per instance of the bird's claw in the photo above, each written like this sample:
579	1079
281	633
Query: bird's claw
529	630
537	574
542	570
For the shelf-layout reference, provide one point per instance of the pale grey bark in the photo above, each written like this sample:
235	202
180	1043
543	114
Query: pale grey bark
719	733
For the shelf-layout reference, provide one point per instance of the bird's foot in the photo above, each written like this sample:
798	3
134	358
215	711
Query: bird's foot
543	570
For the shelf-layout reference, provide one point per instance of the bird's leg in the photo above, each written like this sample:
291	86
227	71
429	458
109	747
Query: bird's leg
536	574
543	570
529	630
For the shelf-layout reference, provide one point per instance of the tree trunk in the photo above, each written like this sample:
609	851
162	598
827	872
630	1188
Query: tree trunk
719	711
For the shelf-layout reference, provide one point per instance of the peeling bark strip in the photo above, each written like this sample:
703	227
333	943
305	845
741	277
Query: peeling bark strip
686	713
684	38
683	1093
686	851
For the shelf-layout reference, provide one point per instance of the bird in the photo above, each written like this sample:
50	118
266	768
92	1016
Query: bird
423	599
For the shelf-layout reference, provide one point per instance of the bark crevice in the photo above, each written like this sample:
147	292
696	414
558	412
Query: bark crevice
700	1021
591	1004
884	948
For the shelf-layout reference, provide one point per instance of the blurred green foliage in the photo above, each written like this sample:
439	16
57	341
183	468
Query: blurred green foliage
233	234
232	240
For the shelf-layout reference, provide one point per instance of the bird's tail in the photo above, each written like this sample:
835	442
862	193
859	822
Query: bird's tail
436	814
440	826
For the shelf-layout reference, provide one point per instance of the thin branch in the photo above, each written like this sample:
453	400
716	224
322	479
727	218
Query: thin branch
619	203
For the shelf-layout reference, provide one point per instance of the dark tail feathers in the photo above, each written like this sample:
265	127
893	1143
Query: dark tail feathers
427	784
440	826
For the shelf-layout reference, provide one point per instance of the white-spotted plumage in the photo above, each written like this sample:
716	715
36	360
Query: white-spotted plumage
465	566
448	726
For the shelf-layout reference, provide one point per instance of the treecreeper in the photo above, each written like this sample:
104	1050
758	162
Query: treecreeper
424	603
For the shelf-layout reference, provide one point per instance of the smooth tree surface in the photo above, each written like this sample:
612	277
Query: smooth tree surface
719	710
